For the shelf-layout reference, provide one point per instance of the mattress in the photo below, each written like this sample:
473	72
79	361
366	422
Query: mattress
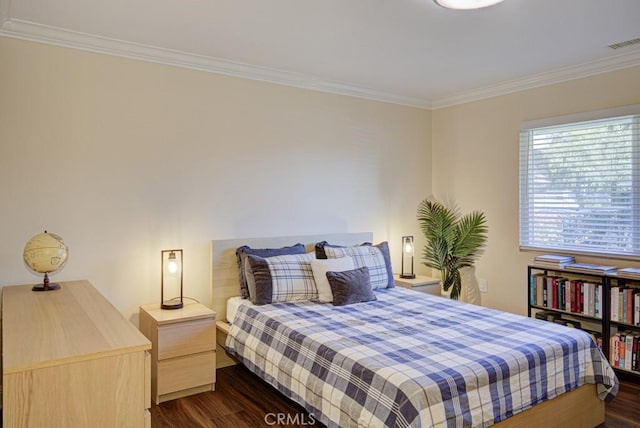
232	306
410	359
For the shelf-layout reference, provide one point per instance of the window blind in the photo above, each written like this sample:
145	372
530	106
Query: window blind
580	185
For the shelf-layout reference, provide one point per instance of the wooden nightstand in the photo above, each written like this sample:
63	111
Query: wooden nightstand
424	284
183	354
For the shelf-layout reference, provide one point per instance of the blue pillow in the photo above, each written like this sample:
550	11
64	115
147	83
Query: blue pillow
244	251
351	286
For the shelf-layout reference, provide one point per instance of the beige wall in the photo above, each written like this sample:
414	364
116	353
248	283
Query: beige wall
125	158
475	160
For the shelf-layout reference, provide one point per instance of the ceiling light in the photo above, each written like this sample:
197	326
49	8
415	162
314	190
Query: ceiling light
466	4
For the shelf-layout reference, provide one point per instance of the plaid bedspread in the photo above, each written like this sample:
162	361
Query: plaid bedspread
414	360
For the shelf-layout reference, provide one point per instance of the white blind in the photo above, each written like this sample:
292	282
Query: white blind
580	186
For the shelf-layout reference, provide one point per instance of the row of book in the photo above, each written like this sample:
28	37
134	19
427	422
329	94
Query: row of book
625	305
572	295
557	318
584	297
624	350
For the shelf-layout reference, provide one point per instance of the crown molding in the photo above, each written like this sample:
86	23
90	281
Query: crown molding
60	37
25	30
4	12
612	63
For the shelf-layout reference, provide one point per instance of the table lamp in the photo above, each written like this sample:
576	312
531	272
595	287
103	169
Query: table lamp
171	279
407	251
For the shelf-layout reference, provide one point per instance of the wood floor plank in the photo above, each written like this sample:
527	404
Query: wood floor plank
242	400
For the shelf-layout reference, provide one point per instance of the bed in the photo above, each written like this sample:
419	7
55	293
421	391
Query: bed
409	359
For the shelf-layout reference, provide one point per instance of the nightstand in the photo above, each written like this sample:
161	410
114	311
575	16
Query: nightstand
183	353
424	284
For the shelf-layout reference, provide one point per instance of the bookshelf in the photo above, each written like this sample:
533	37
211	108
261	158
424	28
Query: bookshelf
587	300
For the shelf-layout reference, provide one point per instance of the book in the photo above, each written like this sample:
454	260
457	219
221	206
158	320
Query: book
540	280
535	290
586	293
622	340
628	351
598	302
634	352
574	291
632	273
621	305
628	301
615	292
547	265
553	258
547	316
591	303
590	268
567	323
614	351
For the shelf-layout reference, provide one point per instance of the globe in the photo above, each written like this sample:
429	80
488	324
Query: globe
45	253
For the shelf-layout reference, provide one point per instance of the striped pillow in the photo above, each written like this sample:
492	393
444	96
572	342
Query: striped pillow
244	251
375	257
281	278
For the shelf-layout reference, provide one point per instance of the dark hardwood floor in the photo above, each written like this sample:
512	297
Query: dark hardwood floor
240	400
624	410
243	400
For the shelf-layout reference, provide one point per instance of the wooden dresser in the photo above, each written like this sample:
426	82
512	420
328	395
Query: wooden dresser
70	359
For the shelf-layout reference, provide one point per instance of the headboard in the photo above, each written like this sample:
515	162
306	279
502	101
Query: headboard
224	268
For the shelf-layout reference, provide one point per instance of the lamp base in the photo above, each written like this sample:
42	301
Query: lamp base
169	304
407	276
46	287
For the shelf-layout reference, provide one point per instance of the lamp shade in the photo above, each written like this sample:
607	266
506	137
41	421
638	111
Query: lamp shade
407	257
171	279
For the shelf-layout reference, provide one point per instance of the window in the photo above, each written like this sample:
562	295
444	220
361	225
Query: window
580	183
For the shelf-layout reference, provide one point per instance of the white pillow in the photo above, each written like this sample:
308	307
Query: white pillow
320	267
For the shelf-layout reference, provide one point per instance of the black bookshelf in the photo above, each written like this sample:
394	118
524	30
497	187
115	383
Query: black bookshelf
608	328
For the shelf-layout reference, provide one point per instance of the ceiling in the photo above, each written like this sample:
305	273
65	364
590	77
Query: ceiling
409	52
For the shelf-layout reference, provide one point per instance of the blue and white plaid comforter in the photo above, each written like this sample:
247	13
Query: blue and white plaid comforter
411	359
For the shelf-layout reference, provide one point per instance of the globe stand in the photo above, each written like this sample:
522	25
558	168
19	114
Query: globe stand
46	285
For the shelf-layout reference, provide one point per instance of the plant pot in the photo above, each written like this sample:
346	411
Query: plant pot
469	290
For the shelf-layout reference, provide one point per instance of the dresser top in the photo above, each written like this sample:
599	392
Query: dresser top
75	323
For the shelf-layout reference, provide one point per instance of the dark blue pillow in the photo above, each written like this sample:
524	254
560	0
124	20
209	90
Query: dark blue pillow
351	286
244	251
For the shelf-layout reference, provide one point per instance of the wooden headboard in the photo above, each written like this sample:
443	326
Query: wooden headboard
224	268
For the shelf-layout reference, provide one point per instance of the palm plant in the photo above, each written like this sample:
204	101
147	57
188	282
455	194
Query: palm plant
454	241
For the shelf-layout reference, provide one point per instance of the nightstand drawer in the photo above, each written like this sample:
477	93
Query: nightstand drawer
186	372
184	338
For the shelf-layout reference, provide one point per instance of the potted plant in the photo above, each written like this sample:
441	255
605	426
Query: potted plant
453	241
